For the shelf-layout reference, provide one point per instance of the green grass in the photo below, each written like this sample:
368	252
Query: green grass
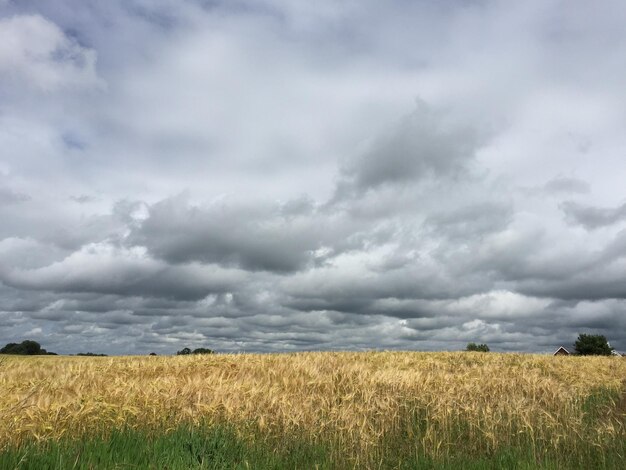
219	447
183	448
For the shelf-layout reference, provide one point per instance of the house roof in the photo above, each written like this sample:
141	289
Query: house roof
561	348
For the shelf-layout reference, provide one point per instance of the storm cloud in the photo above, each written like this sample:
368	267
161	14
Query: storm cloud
280	176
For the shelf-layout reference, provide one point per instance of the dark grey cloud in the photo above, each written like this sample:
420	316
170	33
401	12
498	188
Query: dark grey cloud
591	285
406	292
423	145
252	235
592	217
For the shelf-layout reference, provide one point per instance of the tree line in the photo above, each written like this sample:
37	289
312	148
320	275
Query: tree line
186	351
33	348
585	345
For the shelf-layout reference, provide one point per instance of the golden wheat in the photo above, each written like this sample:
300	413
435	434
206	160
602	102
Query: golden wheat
355	397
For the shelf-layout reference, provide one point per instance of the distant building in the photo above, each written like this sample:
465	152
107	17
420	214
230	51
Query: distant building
561	352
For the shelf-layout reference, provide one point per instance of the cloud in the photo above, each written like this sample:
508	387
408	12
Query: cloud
567	185
10	197
251	235
82	199
424	144
322	207
470	222
106	270
37	52
592	217
26	253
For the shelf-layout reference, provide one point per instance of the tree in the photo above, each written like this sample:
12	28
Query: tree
185	351
477	347
202	351
27	347
592	345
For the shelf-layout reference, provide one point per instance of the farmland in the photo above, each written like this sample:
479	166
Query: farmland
333	409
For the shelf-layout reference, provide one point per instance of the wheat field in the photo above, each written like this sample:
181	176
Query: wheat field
435	401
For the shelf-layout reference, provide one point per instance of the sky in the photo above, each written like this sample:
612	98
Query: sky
277	175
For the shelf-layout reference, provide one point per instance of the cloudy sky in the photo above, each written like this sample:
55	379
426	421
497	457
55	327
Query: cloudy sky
274	175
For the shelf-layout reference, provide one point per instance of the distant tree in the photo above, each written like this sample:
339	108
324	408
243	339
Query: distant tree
27	347
202	351
152	354
91	354
592	345
185	351
477	347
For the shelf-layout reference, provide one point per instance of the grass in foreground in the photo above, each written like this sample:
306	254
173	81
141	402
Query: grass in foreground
181	449
220	447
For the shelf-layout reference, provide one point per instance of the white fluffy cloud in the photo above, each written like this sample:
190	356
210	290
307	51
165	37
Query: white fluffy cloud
36	51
